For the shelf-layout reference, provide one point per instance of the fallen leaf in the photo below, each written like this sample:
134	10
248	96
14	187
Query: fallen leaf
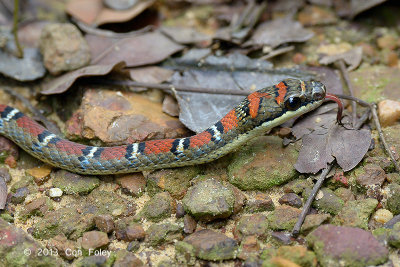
152	74
62	83
136	51
185	35
279	31
323	140
352	58
351	8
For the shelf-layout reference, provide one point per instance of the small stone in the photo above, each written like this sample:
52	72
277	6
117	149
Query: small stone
37	207
383	216
189	224
249	247
62	245
132	184
209	200
357	247
261	202
125	258
393	200
55	192
158	234
356	213
94	240
393	177
394	236
283	218
25	181
392	222
312	221
389	112
158	208
291	199
316	15
72	183
251	225
297	186
19	196
40	174
297	254
384	162
133	246
240	199
370	176
5	175
135	232
387	42
94	260
104	223
326	200
211	245
180	211
170	106
345	194
63	48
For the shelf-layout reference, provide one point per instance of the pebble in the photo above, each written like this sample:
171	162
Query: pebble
19	196
104	223
94	240
383	216
291	199
132	184
261	202
55	192
189	224
135	232
389	112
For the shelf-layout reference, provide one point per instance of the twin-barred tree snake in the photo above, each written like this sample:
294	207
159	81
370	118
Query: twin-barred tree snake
254	116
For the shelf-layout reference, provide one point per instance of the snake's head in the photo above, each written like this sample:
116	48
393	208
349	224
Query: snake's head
285	100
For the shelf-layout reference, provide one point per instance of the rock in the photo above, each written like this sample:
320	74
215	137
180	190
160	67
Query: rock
382	216
116	118
291	199
19	196
392	222
382	235
63	48
356	213
387	41
263	164
14	241
393	178
283	218
189	224
133	246
209	200
261	202
345	194
174	181
125	258
370	176
312	221
383	161
40	174
25	181
94	240
132	184
8	152
251	225
37	207
325	200
211	245
394	236
158	208
5	175
389	112
158	234
240	199
297	186
185	253
180	210
73	184
104	223
393	200
249	247
316	15
135	232
63	246
297	254
101	261
346	246
55	192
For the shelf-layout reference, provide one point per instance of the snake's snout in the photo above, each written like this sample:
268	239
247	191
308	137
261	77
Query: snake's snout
319	91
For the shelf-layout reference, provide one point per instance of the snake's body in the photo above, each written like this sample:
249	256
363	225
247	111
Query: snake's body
255	115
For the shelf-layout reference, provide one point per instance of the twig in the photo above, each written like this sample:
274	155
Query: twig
310	199
277	52
19	53
383	140
355	99
350	87
39	116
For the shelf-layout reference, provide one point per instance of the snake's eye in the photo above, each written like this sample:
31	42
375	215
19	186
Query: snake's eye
293	103
318	95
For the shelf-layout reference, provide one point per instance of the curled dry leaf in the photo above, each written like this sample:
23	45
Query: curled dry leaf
185	35
94	12
62	83
352	58
279	31
323	140
136	51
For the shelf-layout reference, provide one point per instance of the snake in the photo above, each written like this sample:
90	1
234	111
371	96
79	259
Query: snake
255	115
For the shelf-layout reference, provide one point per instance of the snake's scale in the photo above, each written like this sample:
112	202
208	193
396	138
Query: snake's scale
255	115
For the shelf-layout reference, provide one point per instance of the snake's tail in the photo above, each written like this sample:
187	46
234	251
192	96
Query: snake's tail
340	107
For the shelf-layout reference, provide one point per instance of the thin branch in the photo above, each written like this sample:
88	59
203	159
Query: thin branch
20	52
310	199
383	140
345	75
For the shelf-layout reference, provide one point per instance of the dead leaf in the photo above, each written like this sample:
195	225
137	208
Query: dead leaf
62	83
352	58
93	12
323	140
185	35
136	51
351	8
151	74
279	31
3	193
